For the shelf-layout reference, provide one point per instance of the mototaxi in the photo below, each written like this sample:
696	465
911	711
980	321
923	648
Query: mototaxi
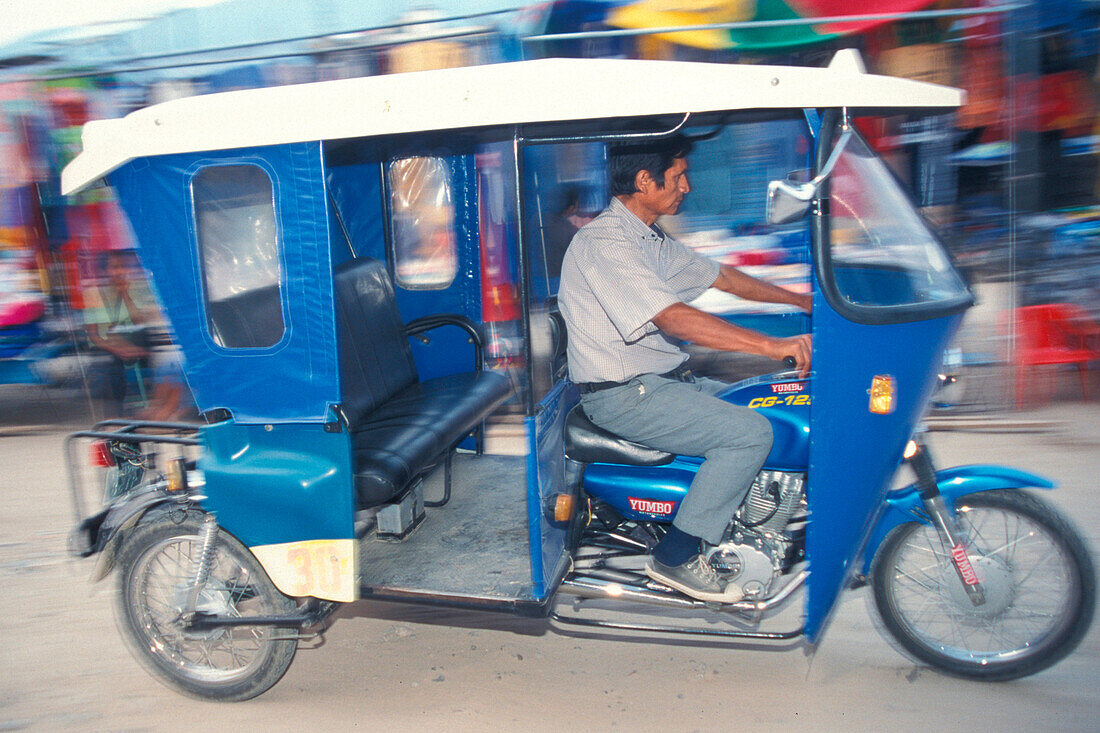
359	274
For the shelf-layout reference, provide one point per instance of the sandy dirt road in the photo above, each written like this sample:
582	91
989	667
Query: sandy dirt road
64	667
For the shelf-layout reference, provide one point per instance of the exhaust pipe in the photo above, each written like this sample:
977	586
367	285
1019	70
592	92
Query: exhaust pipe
596	588
588	587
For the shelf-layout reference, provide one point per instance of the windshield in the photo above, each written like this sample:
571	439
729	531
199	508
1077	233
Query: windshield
884	262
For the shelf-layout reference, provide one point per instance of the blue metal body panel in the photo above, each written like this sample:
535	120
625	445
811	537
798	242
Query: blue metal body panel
545	479
269	484
534	513
847	480
904	504
619	485
786	403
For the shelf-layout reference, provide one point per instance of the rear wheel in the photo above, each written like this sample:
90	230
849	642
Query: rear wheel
1036	576
157	561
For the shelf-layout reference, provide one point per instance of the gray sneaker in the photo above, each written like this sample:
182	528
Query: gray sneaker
695	578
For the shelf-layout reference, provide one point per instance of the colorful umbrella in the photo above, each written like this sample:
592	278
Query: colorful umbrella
688	13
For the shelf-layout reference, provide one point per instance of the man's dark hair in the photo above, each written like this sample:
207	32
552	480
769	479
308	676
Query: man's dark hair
655	156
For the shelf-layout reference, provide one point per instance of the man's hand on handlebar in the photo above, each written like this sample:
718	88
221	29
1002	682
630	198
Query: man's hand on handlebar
794	352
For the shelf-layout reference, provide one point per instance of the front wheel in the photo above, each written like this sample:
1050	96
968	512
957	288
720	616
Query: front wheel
1036	576
157	562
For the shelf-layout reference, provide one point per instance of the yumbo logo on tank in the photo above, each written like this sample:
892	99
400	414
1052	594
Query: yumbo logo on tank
786	387
648	506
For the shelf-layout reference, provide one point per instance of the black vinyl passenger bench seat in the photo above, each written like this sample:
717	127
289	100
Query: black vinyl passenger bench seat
400	427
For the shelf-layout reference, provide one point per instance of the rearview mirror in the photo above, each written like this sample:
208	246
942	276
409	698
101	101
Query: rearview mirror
789	200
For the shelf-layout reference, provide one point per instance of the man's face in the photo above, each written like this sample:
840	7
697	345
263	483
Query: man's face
665	201
117	271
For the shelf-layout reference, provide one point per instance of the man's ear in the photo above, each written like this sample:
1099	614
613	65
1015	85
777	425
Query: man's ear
642	180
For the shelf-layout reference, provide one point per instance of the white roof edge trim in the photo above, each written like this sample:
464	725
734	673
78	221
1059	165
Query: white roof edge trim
543	90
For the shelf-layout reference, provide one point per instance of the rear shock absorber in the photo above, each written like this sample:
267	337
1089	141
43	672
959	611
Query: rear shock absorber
208	534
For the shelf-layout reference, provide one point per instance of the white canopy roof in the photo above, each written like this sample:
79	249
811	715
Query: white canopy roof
543	90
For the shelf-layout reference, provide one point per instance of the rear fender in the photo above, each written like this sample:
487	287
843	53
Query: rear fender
905	505
100	535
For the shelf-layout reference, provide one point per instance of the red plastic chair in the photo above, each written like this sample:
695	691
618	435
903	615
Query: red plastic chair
1054	334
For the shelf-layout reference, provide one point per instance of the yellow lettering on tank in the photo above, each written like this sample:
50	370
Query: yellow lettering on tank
776	400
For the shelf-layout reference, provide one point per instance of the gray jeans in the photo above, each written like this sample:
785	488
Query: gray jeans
686	418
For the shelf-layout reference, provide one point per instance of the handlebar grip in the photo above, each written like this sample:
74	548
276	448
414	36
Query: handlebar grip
789	362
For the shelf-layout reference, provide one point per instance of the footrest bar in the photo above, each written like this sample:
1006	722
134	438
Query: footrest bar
659	629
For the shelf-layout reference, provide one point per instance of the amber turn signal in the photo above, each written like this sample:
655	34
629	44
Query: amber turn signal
177	475
564	505
882	394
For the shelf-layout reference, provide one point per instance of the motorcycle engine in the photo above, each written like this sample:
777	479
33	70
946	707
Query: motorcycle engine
758	543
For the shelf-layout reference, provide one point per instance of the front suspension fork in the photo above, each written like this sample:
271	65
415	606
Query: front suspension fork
945	522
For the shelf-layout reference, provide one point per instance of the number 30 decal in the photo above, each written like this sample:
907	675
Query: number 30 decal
321	568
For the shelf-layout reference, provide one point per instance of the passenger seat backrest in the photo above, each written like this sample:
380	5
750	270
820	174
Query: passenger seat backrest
249	320
558	343
375	358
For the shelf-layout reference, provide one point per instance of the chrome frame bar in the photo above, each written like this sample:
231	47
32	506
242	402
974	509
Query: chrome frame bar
659	629
597	588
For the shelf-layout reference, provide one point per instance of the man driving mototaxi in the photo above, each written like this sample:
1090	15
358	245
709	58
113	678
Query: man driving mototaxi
624	293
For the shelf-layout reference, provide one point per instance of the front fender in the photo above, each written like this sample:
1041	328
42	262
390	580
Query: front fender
905	505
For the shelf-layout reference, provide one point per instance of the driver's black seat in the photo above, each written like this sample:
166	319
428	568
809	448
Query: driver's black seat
586	442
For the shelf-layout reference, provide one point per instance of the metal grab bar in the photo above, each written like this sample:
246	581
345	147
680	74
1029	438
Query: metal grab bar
125	434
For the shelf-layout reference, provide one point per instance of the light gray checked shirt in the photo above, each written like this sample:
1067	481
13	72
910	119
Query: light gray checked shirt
617	275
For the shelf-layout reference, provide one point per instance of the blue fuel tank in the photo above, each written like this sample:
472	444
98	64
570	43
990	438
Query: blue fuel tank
653	493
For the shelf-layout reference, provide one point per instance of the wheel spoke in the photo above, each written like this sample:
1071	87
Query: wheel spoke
927	585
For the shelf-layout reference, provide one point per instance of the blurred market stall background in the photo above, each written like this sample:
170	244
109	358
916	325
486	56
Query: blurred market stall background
1010	178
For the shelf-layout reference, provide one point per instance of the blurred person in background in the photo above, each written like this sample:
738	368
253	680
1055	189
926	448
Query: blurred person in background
171	398
115	325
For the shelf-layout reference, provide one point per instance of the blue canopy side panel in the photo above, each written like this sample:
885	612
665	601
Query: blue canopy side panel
449	351
356	191
463	295
295	379
354	176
